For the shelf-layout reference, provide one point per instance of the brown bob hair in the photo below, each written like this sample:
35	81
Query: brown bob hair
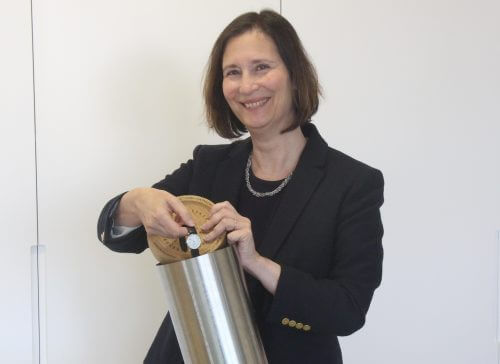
303	77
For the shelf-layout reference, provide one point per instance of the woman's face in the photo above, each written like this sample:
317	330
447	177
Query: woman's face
256	83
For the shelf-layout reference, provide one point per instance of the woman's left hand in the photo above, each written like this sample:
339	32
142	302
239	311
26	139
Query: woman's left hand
225	218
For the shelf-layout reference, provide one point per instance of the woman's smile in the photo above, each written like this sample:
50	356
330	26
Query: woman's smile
254	104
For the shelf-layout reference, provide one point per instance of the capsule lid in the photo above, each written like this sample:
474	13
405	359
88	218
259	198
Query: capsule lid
169	250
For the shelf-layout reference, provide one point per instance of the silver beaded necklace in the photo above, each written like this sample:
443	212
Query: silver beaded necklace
263	194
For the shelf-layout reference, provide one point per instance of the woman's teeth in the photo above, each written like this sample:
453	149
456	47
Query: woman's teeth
253	105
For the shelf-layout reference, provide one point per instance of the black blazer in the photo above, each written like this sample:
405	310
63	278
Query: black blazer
326	235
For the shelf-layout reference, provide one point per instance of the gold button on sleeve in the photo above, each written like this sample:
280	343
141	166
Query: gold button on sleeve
285	321
306	328
292	323
299	325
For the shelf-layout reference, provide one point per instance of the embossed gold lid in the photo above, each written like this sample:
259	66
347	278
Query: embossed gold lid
169	250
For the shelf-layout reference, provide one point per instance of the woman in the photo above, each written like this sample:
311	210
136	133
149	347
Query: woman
303	217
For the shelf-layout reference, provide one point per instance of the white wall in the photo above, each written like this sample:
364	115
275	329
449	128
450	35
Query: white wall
413	88
17	182
118	106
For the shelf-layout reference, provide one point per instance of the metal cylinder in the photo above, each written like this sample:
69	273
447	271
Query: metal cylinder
210	310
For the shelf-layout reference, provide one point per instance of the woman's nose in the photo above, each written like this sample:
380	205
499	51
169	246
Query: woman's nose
248	84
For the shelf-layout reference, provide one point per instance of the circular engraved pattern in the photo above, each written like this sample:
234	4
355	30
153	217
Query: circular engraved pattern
168	250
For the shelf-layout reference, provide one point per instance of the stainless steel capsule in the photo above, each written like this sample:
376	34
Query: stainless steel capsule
210	309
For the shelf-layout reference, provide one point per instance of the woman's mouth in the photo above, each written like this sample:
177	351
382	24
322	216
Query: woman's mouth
255	104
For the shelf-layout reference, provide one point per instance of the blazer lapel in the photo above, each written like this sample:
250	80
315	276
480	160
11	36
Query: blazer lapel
230	174
307	175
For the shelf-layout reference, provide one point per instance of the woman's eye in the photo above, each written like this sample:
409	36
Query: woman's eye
231	73
261	67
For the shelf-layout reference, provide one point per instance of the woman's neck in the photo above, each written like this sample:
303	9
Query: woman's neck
275	157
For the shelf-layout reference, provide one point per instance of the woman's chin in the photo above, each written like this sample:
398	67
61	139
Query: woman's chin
256	125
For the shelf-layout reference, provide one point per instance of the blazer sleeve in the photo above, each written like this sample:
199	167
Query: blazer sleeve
338	304
177	183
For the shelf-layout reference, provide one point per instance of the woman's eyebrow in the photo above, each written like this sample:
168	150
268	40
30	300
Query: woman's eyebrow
229	66
262	61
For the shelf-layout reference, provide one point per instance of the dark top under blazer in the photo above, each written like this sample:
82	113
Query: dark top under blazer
326	234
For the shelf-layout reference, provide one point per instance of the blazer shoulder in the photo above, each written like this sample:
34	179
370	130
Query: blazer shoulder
351	168
217	152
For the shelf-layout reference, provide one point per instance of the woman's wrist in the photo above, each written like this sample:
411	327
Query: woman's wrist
127	212
266	271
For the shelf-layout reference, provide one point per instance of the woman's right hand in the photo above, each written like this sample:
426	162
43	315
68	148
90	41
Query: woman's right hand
153	208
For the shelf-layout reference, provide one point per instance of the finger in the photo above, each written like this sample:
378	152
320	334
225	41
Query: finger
212	221
226	205
163	222
169	227
216	232
235	236
178	207
226	224
173	227
217	212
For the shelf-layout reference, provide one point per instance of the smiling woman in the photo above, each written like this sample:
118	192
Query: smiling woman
303	217
275	40
256	83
